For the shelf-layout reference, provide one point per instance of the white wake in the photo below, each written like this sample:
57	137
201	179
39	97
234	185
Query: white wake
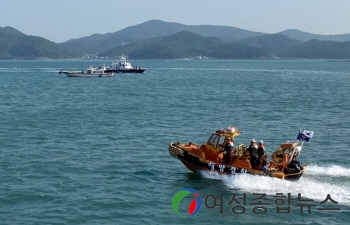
316	183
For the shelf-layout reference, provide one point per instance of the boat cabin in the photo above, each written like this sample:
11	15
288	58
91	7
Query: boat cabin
216	141
123	64
96	70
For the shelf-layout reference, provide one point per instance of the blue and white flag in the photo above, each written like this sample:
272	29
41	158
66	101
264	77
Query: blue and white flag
305	135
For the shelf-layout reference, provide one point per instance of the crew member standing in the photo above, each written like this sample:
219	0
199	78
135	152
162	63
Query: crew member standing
261	150
228	147
253	149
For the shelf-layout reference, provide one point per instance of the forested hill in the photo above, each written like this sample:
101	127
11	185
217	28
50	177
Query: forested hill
184	44
16	45
159	39
98	43
153	29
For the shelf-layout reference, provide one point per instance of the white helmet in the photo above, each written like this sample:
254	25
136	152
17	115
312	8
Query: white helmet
261	142
253	140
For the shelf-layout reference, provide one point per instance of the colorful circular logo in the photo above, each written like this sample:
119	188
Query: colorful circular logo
194	205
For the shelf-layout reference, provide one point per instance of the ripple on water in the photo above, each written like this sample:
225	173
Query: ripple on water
94	151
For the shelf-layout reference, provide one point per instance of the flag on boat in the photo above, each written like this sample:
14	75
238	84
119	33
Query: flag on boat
305	135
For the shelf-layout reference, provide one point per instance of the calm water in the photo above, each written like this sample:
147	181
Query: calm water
94	150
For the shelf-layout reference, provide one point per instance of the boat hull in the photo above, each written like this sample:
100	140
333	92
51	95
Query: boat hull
197	163
70	74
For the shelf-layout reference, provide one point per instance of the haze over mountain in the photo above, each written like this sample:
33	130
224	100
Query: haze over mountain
98	43
159	39
181	45
304	36
152	29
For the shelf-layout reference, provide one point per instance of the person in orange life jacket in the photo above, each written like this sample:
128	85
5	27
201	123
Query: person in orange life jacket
264	164
221	154
252	149
261	150
221	151
228	147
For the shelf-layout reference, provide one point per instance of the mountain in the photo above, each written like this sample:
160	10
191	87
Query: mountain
316	49
98	43
151	29
159	39
304	36
278	45
186	44
237	51
274	44
179	45
183	44
14	44
10	31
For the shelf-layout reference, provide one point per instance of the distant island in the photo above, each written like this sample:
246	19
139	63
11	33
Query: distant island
157	39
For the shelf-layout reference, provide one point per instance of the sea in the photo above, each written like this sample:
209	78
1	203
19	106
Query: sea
95	150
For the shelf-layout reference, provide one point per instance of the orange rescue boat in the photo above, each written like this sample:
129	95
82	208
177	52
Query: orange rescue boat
284	163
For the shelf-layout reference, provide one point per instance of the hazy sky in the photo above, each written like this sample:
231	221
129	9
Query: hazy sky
61	20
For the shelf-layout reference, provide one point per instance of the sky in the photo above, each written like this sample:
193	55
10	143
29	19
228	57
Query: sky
62	20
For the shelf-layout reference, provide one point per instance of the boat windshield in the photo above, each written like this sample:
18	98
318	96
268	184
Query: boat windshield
214	140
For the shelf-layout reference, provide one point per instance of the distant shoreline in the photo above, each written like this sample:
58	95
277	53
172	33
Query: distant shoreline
177	59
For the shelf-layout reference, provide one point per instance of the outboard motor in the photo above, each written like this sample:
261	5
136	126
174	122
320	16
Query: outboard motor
298	163
293	167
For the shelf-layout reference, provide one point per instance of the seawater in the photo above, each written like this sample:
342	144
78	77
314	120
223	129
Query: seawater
94	150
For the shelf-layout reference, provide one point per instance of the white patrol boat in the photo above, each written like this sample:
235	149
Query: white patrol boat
123	66
89	72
